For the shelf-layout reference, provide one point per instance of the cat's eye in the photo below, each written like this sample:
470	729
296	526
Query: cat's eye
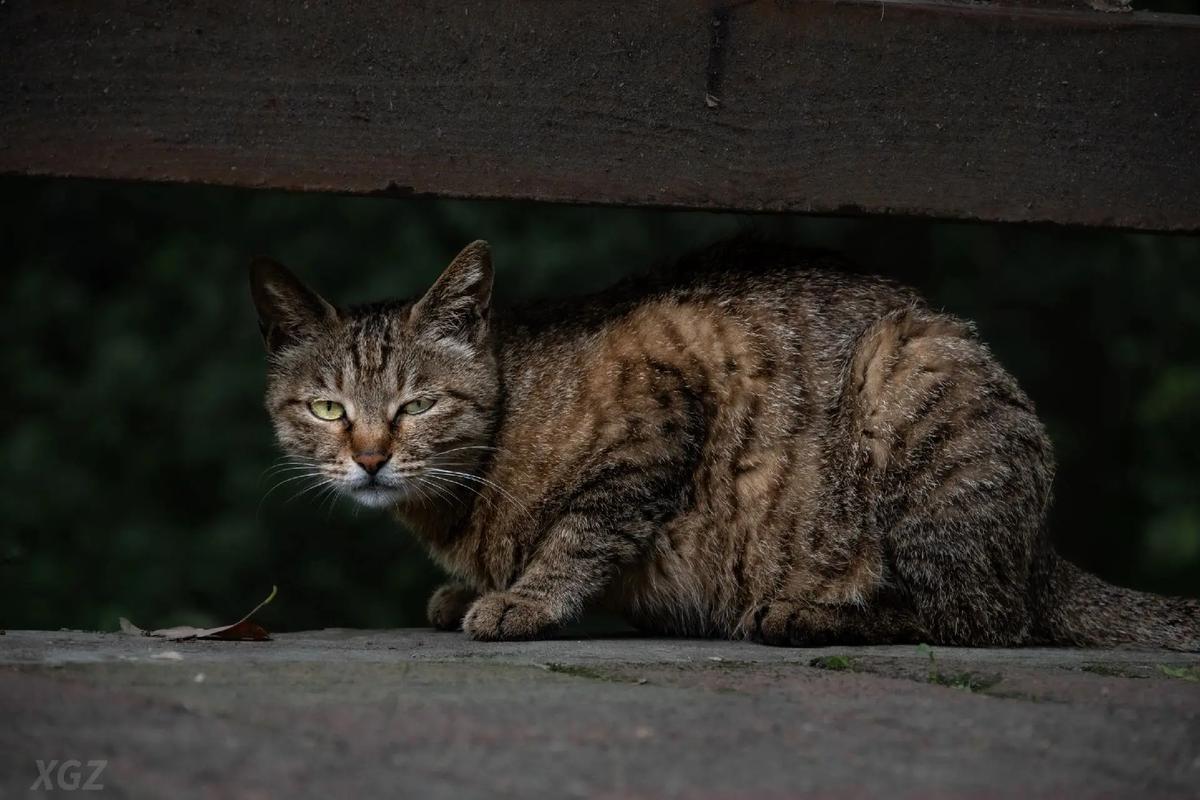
327	410
418	406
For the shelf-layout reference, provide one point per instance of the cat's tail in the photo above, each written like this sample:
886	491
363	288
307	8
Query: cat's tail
1077	608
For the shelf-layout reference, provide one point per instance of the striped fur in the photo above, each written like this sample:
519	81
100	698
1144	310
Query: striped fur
751	446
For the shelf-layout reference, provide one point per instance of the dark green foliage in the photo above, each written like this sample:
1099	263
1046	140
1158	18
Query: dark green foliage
970	681
135	441
590	673
834	663
962	679
1181	672
1114	670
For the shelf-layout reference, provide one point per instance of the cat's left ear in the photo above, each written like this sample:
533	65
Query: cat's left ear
457	307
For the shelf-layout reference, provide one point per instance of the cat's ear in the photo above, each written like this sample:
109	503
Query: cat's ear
457	306
287	309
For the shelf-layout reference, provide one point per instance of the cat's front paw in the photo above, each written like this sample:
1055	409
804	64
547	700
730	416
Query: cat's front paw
448	605
505	617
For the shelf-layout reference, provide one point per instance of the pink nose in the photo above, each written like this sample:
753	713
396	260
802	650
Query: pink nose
371	461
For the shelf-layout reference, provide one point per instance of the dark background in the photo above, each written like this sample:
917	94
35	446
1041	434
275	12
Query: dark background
135	443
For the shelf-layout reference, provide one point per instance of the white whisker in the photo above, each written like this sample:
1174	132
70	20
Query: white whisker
466	447
465	486
329	495
307	489
442	493
286	481
467	476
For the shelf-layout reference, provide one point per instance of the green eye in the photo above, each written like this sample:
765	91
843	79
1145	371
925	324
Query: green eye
327	410
419	406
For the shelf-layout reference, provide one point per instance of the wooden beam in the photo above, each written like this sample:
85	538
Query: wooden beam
995	113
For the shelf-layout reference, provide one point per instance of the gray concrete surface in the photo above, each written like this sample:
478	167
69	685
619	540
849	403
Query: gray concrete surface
414	714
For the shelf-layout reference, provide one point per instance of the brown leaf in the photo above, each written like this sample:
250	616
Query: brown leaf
242	630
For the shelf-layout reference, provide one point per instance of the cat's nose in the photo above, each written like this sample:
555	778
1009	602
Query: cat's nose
372	461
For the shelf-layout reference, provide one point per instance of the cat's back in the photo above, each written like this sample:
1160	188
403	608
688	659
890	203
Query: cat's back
730	355
736	307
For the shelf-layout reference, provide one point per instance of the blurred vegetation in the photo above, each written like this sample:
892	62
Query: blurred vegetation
135	441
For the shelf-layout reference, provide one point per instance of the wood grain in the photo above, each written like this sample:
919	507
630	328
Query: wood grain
996	113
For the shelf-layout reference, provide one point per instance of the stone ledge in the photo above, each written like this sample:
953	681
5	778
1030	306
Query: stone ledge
414	713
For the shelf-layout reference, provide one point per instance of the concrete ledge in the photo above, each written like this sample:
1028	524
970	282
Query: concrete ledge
414	713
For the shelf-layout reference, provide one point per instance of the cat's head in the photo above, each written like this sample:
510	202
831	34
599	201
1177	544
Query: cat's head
373	400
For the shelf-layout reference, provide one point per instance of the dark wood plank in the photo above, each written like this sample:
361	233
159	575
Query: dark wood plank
917	108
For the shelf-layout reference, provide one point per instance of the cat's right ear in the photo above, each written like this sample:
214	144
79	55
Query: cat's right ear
287	309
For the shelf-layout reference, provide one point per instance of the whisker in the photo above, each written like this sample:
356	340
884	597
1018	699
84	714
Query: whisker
443	475
263	500
286	481
466	486
486	482
285	470
467	476
288	465
435	458
329	495
279	467
307	489
442	493
424	498
465	447
294	459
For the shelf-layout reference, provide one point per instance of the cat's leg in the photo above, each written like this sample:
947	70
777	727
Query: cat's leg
958	470
610	521
796	622
636	473
449	604
963	541
967	590
574	563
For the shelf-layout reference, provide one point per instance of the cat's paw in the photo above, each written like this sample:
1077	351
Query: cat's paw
448	605
505	616
787	624
771	625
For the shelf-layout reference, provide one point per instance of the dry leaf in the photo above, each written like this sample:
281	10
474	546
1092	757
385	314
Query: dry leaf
242	630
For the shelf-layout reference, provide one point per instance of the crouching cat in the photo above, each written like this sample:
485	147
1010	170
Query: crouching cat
754	447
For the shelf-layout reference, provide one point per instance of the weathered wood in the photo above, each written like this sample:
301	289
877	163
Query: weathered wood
919	108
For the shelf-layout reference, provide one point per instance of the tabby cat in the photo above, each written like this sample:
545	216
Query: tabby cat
753	446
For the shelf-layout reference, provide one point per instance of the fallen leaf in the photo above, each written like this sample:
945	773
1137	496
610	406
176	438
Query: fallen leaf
242	630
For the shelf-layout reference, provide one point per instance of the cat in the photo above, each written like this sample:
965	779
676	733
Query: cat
756	445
